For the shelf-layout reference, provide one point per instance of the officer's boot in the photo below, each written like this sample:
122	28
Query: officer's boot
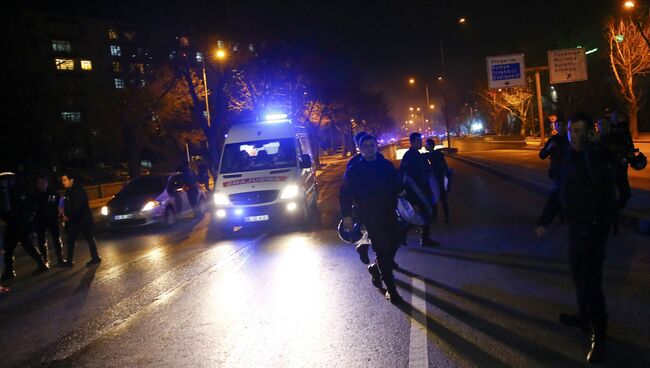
376	275
598	342
362	250
391	291
596	353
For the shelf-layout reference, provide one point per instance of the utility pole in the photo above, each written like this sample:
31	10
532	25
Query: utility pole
538	90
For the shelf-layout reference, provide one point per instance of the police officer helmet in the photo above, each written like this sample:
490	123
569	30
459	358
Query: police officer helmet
350	236
639	162
408	213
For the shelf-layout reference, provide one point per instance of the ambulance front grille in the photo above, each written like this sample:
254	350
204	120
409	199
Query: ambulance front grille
264	196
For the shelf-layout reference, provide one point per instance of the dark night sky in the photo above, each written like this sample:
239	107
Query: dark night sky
387	40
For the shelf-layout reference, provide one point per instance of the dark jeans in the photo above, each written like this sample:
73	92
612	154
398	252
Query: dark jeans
586	256
53	227
87	233
27	239
383	233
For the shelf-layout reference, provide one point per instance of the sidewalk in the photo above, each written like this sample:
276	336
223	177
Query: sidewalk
524	168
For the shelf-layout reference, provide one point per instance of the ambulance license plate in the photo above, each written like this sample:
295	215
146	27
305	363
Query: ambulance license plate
256	218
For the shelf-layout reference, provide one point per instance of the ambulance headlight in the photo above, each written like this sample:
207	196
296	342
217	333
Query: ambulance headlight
290	191
221	199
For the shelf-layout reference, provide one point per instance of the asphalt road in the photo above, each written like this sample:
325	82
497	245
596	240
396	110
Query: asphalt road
186	297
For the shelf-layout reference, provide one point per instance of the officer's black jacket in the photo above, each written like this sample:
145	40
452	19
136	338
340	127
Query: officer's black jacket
437	162
76	207
48	205
416	167
371	185
587	187
556	152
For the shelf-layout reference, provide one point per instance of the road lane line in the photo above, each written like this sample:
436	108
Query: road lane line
418	349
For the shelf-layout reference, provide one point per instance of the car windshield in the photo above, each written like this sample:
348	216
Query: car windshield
144	185
267	154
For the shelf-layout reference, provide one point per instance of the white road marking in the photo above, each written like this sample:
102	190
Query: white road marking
418	349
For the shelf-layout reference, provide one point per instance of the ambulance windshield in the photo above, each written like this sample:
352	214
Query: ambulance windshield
267	154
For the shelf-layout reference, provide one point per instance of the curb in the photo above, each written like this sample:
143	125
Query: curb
636	222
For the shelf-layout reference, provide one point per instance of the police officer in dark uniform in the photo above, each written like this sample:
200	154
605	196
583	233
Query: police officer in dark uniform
78	220
615	135
554	149
19	215
439	169
415	166
372	184
362	248
587	196
47	219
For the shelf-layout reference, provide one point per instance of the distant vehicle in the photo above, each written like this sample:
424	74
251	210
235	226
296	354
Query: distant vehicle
266	175
161	198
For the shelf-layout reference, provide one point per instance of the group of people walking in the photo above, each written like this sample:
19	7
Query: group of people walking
369	195
31	210
589	163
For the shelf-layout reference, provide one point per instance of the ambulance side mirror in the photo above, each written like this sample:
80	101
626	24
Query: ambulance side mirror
305	161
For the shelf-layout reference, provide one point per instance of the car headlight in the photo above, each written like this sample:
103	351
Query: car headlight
221	199
149	206
104	211
290	191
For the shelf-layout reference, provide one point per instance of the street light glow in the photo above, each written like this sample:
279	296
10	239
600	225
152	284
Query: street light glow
462	20
629	5
410	108
432	107
220	54
411	80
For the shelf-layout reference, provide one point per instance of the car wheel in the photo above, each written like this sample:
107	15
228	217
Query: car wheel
170	217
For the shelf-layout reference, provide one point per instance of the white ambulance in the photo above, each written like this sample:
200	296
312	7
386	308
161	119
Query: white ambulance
265	176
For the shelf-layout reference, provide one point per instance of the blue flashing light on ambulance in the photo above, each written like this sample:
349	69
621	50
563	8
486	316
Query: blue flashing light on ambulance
266	175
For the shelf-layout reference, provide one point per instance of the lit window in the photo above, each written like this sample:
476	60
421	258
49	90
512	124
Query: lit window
184	41
142	83
116	50
199	57
112	34
117	67
61	46
129	35
119	83
220	44
251	48
86	65
70	116
64	64
140	68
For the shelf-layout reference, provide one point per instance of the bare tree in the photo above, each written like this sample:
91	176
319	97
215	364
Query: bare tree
516	101
630	60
